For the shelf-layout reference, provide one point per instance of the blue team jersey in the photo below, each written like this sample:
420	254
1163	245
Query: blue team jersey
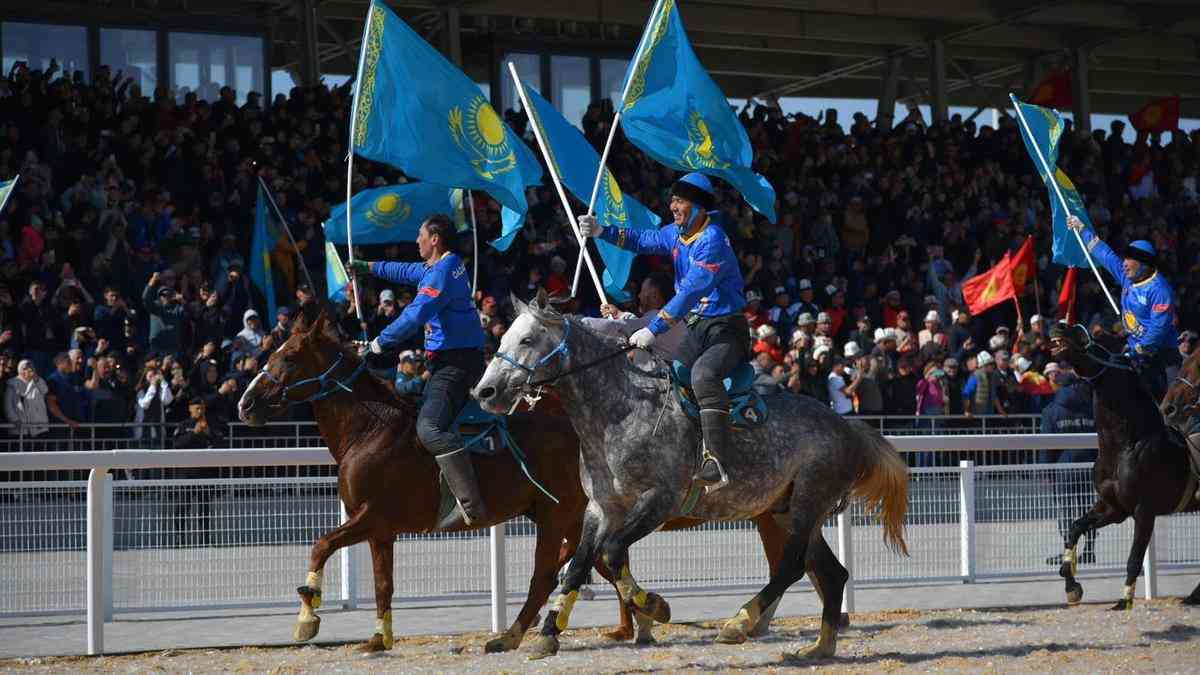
708	280
1147	306
443	305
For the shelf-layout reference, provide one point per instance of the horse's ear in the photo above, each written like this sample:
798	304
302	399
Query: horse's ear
319	324
517	304
542	301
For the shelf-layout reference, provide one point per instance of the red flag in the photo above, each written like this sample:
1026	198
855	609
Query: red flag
984	291
1158	115
1023	266
1066	297
1054	91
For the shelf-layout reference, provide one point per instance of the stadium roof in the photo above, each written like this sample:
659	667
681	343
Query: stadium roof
1133	50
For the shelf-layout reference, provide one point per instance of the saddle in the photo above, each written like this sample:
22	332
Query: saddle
748	410
483	433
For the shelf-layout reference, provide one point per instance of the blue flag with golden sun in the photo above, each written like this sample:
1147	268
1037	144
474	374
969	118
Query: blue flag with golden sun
676	113
1042	130
416	111
577	162
265	235
389	214
336	278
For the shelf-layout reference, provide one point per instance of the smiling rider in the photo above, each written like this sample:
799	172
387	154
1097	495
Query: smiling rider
454	351
709	297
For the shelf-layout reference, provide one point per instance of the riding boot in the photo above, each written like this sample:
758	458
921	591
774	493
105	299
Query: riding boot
714	424
460	476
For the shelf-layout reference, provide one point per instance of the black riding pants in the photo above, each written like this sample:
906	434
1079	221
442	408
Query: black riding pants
715	347
452	374
1153	372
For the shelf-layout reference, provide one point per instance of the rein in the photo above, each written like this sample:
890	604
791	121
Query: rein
327	384
1194	387
559	350
1108	361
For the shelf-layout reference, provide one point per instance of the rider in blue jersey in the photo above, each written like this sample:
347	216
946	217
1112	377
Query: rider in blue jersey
1147	307
444	308
709	297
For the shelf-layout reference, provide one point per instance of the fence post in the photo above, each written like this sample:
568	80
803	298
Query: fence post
845	542
106	551
95	561
1150	564
349	565
499	569
966	519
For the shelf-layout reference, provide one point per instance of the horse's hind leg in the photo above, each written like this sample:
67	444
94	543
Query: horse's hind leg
381	562
354	530
737	629
546	561
829	578
773	537
1101	514
1143	529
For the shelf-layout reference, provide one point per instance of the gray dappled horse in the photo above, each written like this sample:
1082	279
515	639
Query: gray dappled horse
639	451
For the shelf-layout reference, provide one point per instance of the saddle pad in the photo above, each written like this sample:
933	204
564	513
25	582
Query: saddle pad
740	381
480	430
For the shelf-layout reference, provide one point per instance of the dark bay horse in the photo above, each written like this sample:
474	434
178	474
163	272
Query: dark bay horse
1142	467
389	484
1181	406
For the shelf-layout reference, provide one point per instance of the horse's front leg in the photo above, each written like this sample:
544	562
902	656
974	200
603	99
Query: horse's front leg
1143	529
354	530
1100	515
648	514
382	550
559	617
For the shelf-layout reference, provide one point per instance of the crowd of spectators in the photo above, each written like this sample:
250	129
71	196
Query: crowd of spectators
126	300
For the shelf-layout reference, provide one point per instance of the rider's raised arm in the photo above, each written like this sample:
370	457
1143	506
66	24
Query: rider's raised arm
699	282
652	242
1103	254
405	274
430	300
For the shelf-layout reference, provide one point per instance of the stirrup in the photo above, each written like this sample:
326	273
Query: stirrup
724	479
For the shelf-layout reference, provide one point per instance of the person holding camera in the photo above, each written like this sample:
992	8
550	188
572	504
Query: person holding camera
166	309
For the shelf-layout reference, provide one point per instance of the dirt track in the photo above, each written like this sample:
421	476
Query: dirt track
1157	636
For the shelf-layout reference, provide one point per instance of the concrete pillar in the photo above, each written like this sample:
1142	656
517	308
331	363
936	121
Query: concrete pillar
310	64
938	100
885	116
452	35
1080	92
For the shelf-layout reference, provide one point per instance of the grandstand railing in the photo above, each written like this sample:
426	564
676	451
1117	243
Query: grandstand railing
102	547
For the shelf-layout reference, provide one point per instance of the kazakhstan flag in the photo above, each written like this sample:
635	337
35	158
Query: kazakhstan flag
577	163
414	110
1044	133
336	278
265	235
390	214
676	113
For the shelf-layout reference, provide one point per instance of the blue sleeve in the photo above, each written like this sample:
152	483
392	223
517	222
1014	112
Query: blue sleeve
405	274
969	388
653	242
701	278
429	300
1160	324
1104	255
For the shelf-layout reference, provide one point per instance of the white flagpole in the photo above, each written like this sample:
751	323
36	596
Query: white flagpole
1050	172
612	132
358	83
537	134
475	240
11	188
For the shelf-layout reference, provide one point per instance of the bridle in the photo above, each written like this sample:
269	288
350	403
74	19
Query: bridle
327	384
1108	361
531	389
1194	387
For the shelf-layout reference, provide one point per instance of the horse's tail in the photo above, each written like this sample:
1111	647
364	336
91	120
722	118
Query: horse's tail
882	484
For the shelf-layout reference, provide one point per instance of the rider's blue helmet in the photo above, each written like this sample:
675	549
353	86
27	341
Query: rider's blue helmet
1143	252
697	189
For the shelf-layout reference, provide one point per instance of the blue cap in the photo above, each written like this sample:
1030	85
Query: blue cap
1142	251
1144	246
696	188
699	180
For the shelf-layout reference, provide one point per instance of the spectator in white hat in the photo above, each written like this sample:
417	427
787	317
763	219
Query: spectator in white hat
1037	325
933	326
981	394
753	311
851	350
768	343
824	324
807	304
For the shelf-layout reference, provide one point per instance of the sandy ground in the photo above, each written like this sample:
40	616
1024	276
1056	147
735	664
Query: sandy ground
1158	636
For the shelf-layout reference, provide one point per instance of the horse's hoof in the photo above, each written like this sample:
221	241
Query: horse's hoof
375	644
307	628
543	646
817	651
1074	593
761	630
621	634
732	633
1122	605
656	608
645	639
844	620
506	642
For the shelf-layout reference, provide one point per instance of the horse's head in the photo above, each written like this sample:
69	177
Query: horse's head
533	349
1085	352
1183	397
293	373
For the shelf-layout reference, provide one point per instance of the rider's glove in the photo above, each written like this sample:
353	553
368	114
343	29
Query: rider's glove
588	226
642	339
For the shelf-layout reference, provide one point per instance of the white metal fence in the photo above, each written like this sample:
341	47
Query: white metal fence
103	547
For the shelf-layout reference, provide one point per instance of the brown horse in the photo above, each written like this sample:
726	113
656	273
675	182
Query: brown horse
1181	406
389	484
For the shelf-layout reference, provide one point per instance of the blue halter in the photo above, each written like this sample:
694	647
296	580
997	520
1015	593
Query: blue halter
562	349
327	384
